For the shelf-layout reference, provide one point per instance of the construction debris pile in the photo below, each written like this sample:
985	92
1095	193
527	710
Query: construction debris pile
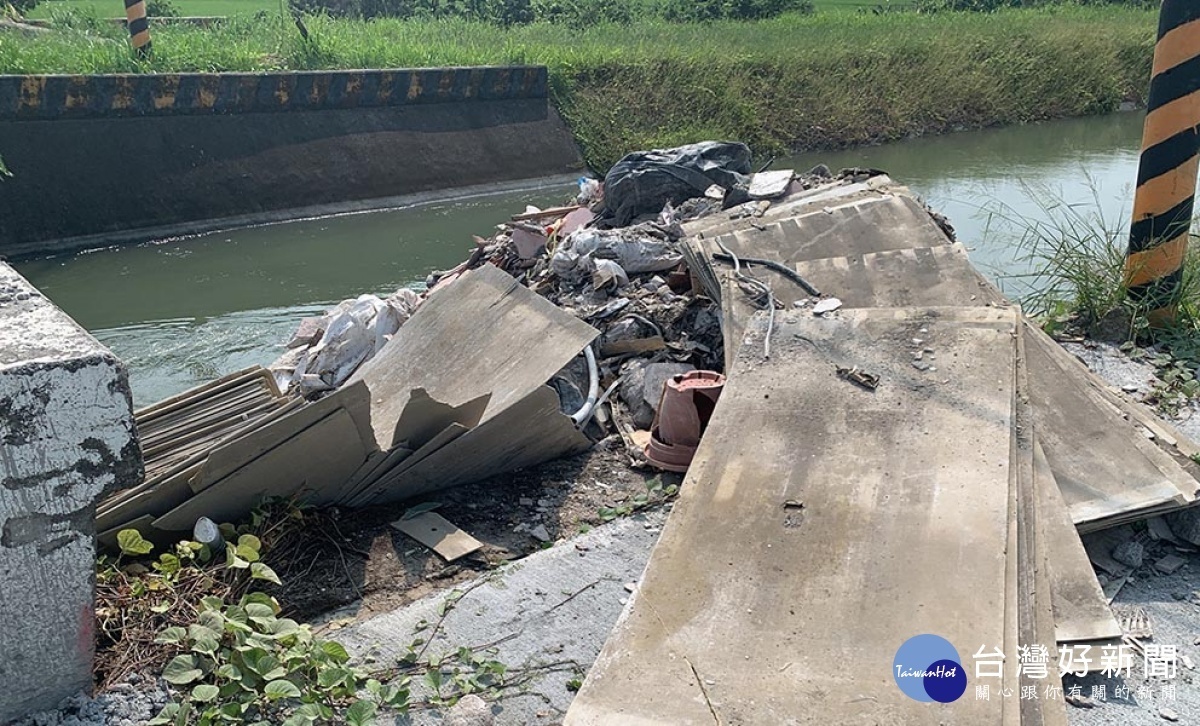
905	453
894	444
560	329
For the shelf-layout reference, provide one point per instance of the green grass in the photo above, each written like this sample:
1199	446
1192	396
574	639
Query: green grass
116	8
793	83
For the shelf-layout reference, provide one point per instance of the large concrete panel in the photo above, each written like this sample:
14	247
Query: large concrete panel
822	524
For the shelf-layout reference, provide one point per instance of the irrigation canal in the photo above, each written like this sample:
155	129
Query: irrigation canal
182	311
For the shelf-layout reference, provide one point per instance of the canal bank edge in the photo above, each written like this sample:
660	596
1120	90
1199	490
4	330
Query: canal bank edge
95	159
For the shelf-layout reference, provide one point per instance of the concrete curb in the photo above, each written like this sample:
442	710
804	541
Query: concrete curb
551	611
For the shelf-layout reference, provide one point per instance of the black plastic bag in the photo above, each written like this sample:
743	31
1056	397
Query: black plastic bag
644	181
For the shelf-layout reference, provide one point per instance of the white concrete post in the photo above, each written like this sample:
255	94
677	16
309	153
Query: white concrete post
66	438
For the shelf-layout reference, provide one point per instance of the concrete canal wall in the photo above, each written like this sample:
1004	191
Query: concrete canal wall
103	159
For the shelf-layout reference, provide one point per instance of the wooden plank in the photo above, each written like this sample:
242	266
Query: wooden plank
1081	611
736	618
484	334
1104	467
318	458
201	391
637	347
440	535
530	432
550	212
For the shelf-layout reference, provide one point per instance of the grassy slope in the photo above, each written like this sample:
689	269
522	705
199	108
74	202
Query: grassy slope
796	82
116	8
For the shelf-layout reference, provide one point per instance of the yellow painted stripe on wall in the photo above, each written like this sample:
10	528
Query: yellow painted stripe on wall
32	89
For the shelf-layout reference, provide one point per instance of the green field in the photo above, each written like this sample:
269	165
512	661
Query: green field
793	83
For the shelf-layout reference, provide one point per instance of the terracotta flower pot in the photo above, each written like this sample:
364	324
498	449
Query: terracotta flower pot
686	406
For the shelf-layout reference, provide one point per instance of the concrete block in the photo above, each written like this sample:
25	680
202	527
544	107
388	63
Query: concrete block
66	438
1186	525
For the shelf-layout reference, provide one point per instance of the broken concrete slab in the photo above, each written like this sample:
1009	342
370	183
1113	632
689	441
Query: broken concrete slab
484	334
642	388
1186	525
529	432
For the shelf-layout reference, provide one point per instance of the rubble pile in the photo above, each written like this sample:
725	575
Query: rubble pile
612	257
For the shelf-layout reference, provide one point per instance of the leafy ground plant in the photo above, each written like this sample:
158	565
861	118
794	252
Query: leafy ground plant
656	493
146	588
242	663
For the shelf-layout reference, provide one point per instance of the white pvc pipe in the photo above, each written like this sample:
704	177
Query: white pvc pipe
583	414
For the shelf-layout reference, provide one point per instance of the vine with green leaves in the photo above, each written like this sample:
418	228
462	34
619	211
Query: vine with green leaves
230	656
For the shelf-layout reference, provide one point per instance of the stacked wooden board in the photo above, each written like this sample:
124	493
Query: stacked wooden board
458	394
824	522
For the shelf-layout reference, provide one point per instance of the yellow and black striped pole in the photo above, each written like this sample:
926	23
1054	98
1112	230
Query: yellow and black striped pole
139	26
1166	183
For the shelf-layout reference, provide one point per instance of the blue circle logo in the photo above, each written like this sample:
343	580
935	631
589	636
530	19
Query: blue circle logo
927	669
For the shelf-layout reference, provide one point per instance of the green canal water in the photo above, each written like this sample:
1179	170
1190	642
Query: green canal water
182	311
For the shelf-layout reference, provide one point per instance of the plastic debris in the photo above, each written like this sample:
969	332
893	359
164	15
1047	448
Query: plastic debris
828	305
642	248
642	182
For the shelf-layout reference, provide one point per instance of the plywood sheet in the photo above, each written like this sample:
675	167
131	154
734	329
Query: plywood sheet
228	457
484	334
738	616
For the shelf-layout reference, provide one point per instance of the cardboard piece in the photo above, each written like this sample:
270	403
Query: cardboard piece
435	532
